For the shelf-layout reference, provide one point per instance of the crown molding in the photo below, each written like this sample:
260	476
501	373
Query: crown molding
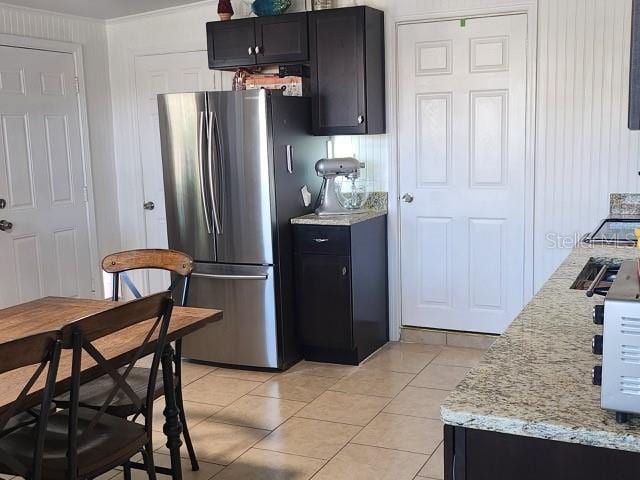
163	11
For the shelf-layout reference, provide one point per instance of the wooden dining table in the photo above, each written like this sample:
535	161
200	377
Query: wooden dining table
52	313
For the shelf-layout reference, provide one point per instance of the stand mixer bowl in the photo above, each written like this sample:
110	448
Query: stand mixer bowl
352	193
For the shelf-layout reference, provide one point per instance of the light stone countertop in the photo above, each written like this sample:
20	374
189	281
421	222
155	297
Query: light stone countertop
535	380
338	220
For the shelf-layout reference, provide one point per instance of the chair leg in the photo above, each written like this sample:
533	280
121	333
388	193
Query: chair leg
127	471
185	429
149	462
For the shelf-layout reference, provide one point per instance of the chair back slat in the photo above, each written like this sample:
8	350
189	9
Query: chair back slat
26	351
80	336
171	260
179	264
118	318
43	350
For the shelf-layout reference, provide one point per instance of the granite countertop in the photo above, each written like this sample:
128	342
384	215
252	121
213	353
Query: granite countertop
535	380
338	220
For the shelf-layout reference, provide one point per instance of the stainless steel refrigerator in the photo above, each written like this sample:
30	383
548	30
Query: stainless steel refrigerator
234	165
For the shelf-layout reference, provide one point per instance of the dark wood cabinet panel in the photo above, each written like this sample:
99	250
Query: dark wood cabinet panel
347	71
282	39
341	290
337	71
321	240
248	42
482	455
324	289
343	47
231	43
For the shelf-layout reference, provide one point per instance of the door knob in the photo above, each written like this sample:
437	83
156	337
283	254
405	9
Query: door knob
3	203
258	50
4	225
407	198
360	119
149	206
250	50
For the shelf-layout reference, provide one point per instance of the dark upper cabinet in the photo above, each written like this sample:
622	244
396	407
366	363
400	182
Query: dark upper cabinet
282	39
347	71
231	43
258	41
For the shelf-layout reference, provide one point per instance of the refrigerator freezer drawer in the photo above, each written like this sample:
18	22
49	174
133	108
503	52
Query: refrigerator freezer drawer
247	335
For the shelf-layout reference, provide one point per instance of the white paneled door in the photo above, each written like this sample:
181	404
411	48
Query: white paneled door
158	74
461	136
42	180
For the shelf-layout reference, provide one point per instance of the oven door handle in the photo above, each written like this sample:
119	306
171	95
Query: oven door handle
597	280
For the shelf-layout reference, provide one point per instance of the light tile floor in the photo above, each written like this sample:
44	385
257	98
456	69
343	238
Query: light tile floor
379	421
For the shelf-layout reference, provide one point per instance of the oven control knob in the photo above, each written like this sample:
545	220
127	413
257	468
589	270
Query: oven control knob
596	375
598	314
596	344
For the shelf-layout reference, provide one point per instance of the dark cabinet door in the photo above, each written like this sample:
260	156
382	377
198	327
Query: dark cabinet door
232	43
282	38
323	297
337	71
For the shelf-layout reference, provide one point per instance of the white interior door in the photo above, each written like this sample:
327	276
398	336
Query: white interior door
462	120
42	181
157	74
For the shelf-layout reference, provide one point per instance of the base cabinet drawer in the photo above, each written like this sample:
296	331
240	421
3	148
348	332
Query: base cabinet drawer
322	240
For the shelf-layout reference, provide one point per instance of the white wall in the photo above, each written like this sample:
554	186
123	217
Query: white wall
584	150
92	36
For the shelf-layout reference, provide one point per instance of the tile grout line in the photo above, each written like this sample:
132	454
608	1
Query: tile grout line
350	442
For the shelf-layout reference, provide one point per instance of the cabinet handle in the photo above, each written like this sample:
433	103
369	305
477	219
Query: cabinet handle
258	50
289	158
344	271
250	50
360	119
321	240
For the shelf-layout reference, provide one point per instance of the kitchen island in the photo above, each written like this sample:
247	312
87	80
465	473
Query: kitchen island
529	410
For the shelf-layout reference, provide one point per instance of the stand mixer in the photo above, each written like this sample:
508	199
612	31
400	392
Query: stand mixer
330	169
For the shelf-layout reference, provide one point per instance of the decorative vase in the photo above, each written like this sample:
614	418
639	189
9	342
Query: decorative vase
225	10
264	8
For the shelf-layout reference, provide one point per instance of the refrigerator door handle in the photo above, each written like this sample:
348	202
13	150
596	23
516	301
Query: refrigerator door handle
230	277
220	171
203	189
212	190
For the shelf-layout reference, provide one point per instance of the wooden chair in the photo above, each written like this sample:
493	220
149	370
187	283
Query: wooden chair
97	440
118	264
22	435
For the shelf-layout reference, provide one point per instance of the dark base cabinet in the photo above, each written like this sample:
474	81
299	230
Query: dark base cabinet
341	290
481	455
